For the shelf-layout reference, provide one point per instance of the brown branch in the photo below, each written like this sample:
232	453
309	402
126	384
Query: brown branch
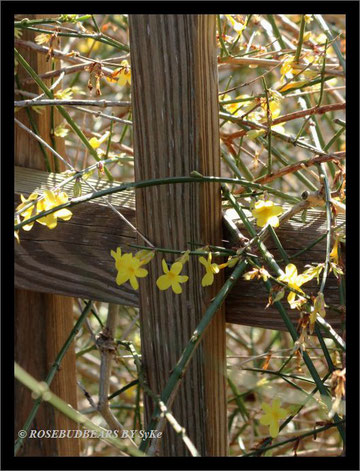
330	69
289	117
102	103
295	167
58	54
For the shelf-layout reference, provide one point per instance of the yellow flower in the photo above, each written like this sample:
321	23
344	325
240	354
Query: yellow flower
294	281
171	277
287	67
334	254
308	19
319	308
275	109
65	94
129	267
122	75
266	212
211	268
50	201
28	213
42	38
95	142
273	414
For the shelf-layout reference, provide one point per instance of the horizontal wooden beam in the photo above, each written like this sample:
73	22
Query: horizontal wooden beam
74	258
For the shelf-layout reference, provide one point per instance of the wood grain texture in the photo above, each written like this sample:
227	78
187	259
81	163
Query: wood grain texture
176	130
74	259
42	321
246	302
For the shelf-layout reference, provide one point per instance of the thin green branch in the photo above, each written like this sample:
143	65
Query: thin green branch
178	372
43	393
53	370
300	40
61	109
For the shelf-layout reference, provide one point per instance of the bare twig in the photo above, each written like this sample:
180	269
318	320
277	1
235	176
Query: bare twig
295	167
331	69
107	347
291	116
102	103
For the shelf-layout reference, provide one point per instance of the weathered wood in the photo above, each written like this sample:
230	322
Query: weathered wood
42	321
74	259
176	130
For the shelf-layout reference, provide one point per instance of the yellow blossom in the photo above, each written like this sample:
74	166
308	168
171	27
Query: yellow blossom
275	109
257	273
211	268
129	267
42	38
319	308
171	277
287	67
51	200
334	254
122	75
308	19
273	414
65	94
294	281
95	142
28	213
266	212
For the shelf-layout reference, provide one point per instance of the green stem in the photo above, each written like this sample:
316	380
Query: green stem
222	43
180	368
61	109
53	370
294	439
42	391
145	184
300	40
276	31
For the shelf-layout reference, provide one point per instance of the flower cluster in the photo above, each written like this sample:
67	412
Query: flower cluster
49	200
129	268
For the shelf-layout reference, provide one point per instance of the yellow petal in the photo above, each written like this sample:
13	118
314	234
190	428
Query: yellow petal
121	278
163	282
134	282
176	268
176	287
165	267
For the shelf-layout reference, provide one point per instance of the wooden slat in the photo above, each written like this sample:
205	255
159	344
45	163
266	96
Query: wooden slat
176	130
246	302
74	258
42	320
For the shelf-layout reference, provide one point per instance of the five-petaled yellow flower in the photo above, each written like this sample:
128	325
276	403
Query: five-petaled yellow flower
51	200
171	277
294	281
273	414
266	212
211	268
129	267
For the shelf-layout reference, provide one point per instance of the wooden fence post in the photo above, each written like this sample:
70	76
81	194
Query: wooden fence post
176	131
42	321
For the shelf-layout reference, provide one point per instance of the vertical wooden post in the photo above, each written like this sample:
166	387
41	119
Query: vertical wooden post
175	112
42	321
